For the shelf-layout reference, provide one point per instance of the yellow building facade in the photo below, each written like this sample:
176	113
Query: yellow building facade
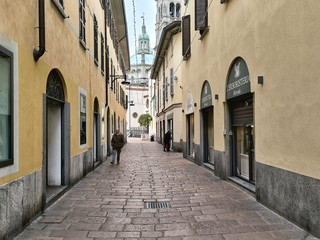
61	98
249	99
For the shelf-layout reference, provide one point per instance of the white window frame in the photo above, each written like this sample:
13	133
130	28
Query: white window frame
13	47
84	92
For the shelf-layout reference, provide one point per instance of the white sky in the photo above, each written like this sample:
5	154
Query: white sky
146	7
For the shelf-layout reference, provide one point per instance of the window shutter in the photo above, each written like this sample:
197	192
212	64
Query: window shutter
171	81
201	16
186	47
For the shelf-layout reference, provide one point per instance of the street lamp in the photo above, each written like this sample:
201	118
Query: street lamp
131	103
120	77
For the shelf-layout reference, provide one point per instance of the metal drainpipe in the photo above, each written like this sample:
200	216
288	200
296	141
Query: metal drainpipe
37	53
105	47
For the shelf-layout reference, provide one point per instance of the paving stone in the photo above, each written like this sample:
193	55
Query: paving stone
109	203
152	234
128	234
69	234
184	232
112	227
101	234
138	227
248	236
84	226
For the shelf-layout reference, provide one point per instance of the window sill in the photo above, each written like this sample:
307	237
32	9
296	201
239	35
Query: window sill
186	57
246	185
208	165
60	8
83	44
204	33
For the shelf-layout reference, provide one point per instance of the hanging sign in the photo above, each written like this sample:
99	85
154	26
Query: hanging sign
238	80
189	104
206	96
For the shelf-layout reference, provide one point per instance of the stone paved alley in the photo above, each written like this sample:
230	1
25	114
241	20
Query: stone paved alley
110	203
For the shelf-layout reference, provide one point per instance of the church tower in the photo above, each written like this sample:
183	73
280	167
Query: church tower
139	76
167	11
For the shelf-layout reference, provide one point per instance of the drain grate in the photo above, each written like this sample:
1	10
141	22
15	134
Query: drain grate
157	205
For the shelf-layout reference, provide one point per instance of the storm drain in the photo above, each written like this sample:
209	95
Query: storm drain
157	205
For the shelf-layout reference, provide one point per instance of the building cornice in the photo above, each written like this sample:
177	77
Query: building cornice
119	15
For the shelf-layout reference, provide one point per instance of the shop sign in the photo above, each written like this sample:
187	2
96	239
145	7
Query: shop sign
189	104
206	96
238	80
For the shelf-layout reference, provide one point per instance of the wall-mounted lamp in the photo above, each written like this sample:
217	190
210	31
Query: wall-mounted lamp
260	80
116	77
216	96
175	78
131	103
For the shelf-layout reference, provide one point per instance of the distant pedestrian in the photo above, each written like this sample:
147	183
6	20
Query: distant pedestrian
166	141
117	143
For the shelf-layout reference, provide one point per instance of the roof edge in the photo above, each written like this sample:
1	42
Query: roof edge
167	33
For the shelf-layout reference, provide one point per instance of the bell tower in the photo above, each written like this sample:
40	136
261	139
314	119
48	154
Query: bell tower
167	11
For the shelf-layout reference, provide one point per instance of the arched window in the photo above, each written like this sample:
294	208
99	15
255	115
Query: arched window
178	7
171	9
54	87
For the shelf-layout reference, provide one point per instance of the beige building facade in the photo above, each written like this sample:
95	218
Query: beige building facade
60	98
168	87
249	73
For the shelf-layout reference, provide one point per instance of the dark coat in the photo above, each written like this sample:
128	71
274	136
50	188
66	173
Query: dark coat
117	141
167	137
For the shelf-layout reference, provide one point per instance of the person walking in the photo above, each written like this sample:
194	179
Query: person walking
166	141
117	142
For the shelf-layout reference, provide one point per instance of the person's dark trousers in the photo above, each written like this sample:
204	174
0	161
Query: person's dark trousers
118	155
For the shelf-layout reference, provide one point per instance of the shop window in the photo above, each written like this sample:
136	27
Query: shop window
6	106
186	47
83	117
95	40
82	21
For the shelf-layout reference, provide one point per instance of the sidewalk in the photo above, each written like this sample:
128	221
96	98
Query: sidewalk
112	201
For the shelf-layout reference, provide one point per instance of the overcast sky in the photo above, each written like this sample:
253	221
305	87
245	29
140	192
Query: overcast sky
142	7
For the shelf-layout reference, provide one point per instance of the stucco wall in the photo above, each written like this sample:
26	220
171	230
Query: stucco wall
278	41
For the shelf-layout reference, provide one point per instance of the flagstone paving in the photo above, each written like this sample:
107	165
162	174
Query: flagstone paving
110	203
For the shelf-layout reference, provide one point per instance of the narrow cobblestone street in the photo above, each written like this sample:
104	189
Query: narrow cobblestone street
110	203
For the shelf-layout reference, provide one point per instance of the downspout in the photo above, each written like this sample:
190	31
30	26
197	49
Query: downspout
37	53
106	52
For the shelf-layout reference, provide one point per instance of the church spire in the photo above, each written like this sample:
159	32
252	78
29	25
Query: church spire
144	31
144	41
